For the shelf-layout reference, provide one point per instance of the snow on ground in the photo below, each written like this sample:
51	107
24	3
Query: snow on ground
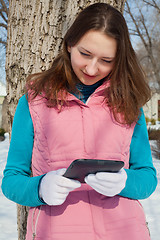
2	89
8	211
8	220
152	208
151	205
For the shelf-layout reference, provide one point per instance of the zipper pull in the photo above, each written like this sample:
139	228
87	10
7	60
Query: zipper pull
33	236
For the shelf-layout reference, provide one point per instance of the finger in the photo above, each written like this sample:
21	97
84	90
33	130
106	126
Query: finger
98	187
61	171
68	183
60	196
93	181
107	191
110	177
91	178
63	190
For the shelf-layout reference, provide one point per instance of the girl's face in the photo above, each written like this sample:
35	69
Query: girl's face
92	58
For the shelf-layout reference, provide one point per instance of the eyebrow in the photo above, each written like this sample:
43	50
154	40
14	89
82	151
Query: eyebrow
110	58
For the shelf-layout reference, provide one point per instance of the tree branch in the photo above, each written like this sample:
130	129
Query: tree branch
2	15
146	30
153	4
4	7
136	25
147	45
3	25
3	42
133	32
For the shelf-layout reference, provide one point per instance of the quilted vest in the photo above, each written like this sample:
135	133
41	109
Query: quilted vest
82	131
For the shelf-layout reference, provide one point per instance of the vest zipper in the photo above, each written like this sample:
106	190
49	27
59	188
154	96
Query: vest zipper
34	226
92	95
33	236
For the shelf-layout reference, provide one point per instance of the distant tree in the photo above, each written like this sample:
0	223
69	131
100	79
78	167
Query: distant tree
4	5
153	3
145	24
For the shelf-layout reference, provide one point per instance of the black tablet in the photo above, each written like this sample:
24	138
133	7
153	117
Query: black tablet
80	168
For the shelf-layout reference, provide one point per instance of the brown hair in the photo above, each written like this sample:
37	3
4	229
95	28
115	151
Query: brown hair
128	90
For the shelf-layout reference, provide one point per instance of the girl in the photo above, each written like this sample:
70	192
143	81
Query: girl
87	105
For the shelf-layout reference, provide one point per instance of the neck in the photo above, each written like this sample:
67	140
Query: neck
87	90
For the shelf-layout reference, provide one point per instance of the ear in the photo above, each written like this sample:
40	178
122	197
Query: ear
69	49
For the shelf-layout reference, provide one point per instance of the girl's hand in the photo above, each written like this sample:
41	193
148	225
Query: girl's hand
54	188
107	183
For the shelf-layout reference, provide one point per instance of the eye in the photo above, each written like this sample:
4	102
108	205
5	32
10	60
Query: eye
107	61
84	54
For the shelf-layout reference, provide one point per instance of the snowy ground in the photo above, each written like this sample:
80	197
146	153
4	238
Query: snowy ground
8	221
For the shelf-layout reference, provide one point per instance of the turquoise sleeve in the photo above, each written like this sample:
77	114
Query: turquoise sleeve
141	175
17	185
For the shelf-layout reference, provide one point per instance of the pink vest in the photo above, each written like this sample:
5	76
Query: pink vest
82	131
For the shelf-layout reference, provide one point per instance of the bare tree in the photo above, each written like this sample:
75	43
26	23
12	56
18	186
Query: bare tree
146	26
3	21
35	33
4	4
152	3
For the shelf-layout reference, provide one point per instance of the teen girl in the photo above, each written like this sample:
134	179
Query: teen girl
87	105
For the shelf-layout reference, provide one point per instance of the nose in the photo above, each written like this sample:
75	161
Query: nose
92	67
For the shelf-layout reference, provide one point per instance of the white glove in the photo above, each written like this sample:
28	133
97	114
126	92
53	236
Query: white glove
107	183
54	188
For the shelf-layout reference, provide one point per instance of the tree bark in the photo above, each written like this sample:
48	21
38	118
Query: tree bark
35	32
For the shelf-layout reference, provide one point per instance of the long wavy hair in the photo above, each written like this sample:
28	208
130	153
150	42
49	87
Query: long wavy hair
128	90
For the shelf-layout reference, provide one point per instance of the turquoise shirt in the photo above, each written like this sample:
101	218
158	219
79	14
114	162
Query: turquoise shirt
18	186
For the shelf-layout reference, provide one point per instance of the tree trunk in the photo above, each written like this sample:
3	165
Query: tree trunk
35	32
